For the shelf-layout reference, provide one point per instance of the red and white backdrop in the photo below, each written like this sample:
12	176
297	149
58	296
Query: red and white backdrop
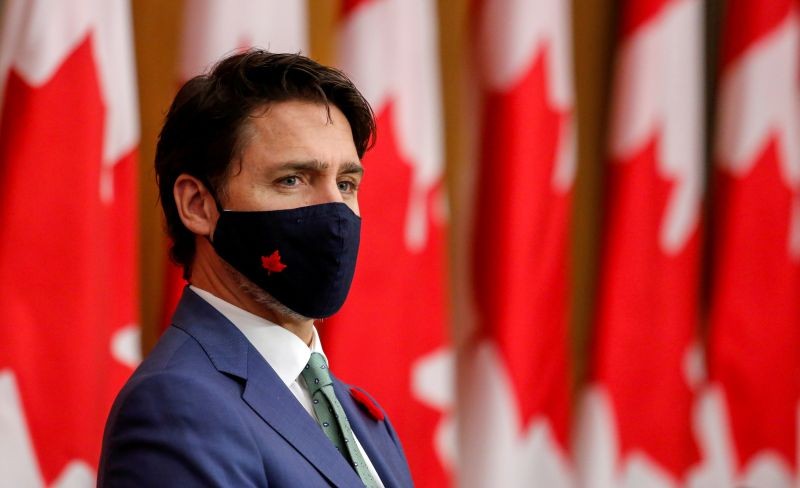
749	416
635	425
693	367
666	408
395	318
69	133
514	412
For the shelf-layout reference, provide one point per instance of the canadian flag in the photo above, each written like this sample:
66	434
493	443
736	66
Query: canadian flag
635	424
213	29
395	316
68	261
515	411
749	415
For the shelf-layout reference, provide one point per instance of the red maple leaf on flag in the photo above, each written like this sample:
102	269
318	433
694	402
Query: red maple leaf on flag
61	353
272	263
652	400
755	275
529	258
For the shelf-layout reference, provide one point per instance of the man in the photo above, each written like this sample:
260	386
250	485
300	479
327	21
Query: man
258	167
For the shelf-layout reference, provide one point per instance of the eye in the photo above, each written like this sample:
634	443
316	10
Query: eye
346	186
290	181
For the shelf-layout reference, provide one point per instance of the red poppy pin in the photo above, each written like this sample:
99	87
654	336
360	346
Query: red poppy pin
368	403
272	263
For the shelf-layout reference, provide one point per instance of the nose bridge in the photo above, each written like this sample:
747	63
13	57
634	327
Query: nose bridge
326	190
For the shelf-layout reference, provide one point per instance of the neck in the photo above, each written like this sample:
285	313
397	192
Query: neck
211	274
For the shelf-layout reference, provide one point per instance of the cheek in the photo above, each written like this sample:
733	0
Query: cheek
240	194
248	195
353	204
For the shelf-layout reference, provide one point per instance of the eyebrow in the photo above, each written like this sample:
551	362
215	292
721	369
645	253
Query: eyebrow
316	165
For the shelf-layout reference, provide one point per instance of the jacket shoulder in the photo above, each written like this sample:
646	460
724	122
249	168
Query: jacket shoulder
172	421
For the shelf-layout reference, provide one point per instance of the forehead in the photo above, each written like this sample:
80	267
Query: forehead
298	129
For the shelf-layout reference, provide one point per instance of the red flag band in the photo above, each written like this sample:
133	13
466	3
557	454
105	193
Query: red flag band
68	260
517	400
636	425
749	423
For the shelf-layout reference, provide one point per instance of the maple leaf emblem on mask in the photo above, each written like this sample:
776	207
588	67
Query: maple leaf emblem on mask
272	263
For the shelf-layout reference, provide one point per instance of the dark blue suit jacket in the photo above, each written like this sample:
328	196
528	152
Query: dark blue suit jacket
205	409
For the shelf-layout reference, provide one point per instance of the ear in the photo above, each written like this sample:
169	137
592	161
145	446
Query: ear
196	205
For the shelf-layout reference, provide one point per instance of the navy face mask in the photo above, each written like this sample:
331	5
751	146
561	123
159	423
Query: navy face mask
304	257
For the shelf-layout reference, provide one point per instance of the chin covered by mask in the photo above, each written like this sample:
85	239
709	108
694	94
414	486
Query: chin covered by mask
304	257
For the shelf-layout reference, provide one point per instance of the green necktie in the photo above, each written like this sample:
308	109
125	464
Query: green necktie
331	416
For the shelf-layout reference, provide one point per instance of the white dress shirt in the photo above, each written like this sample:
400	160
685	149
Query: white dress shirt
285	352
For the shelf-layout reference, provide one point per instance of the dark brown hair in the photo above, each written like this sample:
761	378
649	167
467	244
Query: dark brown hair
203	129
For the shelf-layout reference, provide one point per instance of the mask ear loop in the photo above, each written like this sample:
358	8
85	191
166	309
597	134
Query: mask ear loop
213	194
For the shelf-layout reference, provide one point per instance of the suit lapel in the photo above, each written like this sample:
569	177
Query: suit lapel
269	397
231	353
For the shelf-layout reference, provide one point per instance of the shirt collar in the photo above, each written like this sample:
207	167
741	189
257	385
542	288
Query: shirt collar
286	353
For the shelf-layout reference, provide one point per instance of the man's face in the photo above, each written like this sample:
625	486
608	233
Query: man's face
294	156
